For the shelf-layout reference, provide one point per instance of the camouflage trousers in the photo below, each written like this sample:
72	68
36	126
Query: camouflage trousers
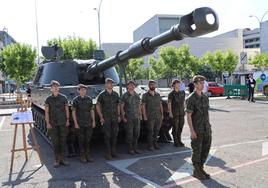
201	146
154	125
110	130
177	126
84	137
58	138
132	128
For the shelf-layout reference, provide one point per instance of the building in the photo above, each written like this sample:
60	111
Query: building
5	40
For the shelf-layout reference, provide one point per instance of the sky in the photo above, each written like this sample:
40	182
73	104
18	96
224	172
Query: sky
118	18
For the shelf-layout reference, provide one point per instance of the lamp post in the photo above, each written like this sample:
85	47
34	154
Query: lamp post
37	36
260	21
98	12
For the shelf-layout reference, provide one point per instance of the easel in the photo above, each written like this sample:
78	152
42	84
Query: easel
35	146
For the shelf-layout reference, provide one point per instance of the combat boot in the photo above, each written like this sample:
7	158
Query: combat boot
108	156
57	161
156	145
150	146
198	174
136	150
130	149
114	153
89	159
204	172
83	158
176	143
180	143
63	161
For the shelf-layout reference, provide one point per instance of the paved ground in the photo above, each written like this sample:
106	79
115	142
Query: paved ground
238	158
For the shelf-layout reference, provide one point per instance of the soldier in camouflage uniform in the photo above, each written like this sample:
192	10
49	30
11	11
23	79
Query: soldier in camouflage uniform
153	114
108	108
131	112
176	100
84	121
57	119
197	105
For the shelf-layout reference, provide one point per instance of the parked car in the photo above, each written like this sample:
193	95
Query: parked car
215	89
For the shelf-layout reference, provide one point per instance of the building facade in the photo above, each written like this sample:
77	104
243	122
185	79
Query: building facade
5	85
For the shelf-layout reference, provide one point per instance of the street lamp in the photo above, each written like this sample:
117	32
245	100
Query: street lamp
36	30
98	12
260	21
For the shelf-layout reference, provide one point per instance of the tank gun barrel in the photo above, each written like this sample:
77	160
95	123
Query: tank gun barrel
195	24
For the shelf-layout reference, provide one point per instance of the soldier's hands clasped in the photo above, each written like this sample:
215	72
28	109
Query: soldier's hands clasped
102	121
193	135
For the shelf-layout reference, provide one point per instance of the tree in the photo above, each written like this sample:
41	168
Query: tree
135	69
178	61
221	61
260	61
18	62
157	69
75	47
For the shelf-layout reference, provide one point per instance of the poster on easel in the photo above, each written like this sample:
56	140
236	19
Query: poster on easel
22	117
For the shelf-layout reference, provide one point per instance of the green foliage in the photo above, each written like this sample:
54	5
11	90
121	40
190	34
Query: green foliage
135	69
260	61
18	62
207	71
221	61
178	61
75	47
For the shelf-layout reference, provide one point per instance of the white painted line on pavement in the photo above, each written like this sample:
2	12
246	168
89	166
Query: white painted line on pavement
187	169
123	164
264	148
2	122
6	130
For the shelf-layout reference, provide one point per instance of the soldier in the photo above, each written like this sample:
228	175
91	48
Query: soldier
131	113
108	108
197	105
153	114
176	100
57	119
84	121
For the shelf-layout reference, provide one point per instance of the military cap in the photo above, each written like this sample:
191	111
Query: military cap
198	78
80	86
175	81
131	82
109	80
152	81
54	83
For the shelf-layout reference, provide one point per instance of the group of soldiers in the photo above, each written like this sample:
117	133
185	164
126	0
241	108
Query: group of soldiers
130	109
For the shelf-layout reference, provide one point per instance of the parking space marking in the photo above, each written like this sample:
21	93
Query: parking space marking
264	148
2	122
123	164
227	169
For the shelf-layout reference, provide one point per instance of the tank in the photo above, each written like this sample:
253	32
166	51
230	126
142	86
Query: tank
93	72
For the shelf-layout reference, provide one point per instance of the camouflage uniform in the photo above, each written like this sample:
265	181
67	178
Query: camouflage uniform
132	114
198	106
109	103
82	107
154	116
177	106
57	119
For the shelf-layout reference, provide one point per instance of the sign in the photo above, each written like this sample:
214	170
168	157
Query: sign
225	73
22	117
243	58
263	77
